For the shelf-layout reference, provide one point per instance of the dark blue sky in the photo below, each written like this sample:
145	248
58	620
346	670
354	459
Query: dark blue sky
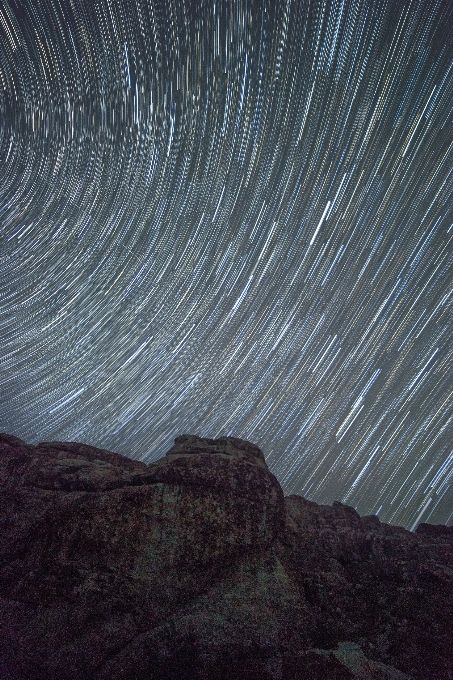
234	218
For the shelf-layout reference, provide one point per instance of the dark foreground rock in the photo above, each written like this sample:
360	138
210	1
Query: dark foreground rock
197	567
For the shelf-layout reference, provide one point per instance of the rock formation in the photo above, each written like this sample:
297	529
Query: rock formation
197	568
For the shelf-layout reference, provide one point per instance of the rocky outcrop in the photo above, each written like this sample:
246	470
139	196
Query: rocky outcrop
197	567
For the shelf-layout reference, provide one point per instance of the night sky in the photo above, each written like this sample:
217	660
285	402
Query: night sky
234	218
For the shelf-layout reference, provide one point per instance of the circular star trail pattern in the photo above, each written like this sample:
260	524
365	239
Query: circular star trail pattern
234	218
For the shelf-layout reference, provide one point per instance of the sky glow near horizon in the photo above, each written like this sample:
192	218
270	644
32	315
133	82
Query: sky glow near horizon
234	218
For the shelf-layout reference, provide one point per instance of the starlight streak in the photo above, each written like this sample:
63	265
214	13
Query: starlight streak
234	218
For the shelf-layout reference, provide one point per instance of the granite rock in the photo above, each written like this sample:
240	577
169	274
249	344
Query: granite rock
197	567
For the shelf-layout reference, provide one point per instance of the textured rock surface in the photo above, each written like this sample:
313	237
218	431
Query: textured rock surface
197	567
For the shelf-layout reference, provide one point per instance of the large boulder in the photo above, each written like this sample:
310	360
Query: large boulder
100	553
197	567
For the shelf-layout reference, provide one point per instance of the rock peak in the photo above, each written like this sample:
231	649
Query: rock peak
190	444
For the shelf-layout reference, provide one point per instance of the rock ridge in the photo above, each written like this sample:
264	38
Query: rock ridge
196	566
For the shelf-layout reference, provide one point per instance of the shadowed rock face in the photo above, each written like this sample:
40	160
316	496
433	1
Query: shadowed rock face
197	567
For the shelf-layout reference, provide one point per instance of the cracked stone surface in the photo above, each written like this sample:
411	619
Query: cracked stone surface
198	567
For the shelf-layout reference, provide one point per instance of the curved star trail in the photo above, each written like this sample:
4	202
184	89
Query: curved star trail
234	218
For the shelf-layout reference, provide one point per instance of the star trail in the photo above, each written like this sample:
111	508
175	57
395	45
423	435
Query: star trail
234	218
